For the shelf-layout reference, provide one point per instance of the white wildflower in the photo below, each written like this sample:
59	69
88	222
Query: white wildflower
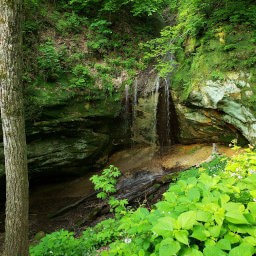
254	199
239	177
251	171
233	174
127	240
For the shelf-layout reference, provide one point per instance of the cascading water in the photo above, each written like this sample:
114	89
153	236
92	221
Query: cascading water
167	96
154	120
127	88
155	104
135	101
127	96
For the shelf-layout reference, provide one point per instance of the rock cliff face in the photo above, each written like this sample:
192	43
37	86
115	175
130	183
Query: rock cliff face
218	111
72	137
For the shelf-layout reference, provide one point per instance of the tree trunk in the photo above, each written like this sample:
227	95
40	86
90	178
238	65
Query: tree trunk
16	225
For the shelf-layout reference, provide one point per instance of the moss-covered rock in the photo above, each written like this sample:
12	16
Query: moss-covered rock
71	137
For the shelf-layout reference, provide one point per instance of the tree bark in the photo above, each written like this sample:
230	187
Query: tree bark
16	225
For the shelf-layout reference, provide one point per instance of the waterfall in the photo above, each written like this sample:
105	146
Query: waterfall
127	105
127	95
155	101
135	99
167	96
134	110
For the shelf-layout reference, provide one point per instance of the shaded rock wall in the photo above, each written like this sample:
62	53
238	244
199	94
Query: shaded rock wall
72	138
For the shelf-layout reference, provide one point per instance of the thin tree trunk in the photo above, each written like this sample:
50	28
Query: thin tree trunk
16	225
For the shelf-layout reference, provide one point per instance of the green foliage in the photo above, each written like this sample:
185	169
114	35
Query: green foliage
216	166
63	243
136	7
82	77
102	234
59	243
209	211
106	182
99	36
198	216
49	61
208	39
70	23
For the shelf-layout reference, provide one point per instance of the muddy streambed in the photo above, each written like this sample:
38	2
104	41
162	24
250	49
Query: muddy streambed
73	204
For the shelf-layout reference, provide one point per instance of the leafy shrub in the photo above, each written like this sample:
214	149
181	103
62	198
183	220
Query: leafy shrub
99	36
49	61
102	234
106	182
63	243
58	243
70	23
136	7
82	77
198	216
206	215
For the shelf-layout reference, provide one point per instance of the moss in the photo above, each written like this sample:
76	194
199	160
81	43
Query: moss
213	59
241	141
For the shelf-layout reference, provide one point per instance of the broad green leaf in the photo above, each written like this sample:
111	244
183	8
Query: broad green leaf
242	250
214	230
170	197
252	207
199	233
232	238
187	219
224	199
181	208
194	194
209	181
212	207
141	253
165	226
213	251
250	218
235	217
164	206
203	216
219	216
250	240
182	236
209	242
169	247
191	252
234	207
243	229
192	181
224	244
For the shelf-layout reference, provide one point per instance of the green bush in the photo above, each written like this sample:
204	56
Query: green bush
59	243
106	182
198	216
99	36
49	61
70	23
82	77
209	211
136	7
64	243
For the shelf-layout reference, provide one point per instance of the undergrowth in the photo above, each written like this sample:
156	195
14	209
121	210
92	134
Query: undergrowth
210	210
